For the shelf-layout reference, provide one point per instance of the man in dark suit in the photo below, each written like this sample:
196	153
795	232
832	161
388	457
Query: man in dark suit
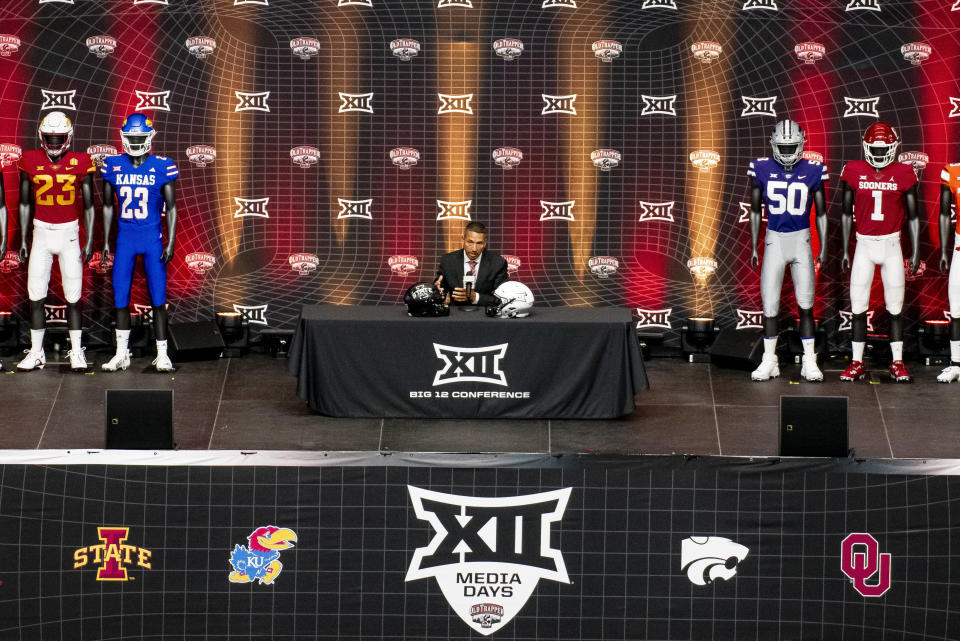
488	267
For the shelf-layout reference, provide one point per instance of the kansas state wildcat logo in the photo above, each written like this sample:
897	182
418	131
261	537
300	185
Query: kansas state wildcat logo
708	558
488	554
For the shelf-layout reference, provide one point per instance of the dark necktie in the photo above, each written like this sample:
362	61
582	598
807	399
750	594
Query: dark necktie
473	266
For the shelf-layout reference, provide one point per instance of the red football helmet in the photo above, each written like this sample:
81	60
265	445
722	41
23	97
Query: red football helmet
880	142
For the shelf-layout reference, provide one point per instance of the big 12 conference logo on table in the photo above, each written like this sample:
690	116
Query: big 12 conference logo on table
860	559
488	554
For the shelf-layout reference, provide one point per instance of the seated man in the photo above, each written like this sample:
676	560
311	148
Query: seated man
488	268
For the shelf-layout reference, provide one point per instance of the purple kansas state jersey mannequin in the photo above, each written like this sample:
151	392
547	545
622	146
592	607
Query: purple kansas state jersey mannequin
788	195
786	186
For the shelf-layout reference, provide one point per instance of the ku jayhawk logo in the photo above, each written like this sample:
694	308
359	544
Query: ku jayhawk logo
260	561
708	558
488	554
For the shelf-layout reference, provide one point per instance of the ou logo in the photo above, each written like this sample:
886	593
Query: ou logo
861	560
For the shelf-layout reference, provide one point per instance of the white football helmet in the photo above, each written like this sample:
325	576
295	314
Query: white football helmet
56	133
515	300
787	142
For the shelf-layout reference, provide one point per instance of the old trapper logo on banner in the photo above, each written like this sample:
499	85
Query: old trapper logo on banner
488	554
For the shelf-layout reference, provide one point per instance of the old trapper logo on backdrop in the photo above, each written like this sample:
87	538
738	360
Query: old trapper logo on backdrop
260	560
488	554
708	558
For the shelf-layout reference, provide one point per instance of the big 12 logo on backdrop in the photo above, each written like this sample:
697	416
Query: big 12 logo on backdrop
488	554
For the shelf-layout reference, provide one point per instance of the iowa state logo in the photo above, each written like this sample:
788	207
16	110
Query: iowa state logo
112	554
260	561
488	554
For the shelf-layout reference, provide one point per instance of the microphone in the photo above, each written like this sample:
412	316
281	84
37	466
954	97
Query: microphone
468	280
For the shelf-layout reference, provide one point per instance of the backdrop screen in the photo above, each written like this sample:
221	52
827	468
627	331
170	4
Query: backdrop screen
331	151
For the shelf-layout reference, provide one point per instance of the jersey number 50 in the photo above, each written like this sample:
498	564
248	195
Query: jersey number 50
786	197
134	202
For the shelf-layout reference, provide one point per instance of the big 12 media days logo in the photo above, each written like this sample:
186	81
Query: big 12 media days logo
488	554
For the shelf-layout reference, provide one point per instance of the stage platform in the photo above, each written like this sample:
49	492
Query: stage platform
250	404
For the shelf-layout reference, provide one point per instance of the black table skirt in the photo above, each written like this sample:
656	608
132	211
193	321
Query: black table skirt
375	361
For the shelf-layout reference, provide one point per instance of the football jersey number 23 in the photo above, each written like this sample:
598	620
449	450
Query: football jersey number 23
134	202
44	182
786	197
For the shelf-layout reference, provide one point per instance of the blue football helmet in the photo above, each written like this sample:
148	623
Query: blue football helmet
137	134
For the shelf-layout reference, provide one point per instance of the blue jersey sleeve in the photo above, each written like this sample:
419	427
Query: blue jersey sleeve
167	169
109	169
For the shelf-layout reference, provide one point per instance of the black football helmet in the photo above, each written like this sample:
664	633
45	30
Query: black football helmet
425	299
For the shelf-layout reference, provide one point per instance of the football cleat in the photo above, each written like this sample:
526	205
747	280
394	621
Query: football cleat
854	371
809	370
769	368
899	373
33	360
949	374
78	360
163	363
120	360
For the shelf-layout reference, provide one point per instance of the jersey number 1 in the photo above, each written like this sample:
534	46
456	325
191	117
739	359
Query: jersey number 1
138	196
877	201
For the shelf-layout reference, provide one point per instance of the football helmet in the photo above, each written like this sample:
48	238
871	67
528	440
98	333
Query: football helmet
514	300
880	142
137	134
56	133
787	143
425	299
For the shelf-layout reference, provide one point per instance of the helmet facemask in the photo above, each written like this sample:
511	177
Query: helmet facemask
137	143
56	133
879	154
787	143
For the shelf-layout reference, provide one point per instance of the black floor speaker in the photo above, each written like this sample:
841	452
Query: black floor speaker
195	341
814	426
737	348
139	419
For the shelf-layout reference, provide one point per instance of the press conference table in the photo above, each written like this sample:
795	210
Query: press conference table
375	361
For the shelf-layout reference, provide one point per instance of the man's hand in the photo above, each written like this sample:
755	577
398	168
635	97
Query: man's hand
460	295
754	259
24	253
168	254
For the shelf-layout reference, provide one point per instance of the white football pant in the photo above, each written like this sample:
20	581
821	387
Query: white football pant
953	284
63	241
871	251
782	249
